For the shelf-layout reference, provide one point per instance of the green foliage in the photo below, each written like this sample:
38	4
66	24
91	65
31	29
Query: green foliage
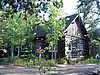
92	61
17	32
72	61
43	62
75	60
30	62
34	62
51	62
1	61
91	18
61	61
89	8
21	62
54	26
17	25
25	53
16	29
7	60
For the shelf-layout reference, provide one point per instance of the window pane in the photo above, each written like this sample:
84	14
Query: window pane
80	46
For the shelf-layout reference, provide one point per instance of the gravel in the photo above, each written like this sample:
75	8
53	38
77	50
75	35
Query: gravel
77	69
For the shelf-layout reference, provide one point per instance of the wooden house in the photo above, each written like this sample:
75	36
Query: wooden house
74	43
75	38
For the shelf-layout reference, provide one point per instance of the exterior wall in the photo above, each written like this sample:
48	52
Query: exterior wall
73	41
61	48
40	43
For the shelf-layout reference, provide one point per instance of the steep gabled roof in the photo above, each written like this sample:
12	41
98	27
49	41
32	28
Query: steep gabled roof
70	19
79	23
39	31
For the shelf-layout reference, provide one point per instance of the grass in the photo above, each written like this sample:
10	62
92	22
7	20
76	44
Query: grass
27	62
61	61
92	61
36	62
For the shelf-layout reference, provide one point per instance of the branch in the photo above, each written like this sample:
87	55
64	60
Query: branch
98	6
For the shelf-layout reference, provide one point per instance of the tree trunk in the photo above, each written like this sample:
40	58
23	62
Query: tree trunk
18	51
55	50
12	51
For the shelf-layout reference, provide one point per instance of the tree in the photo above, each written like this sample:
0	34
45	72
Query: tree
91	10
19	16
14	31
54	26
1	40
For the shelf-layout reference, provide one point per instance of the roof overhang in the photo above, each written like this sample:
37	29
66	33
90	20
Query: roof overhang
71	22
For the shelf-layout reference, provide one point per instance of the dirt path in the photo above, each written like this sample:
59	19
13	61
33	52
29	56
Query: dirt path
78	69
10	70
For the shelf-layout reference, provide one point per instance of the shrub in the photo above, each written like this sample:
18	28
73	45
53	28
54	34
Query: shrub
92	61
75	60
20	62
61	61
26	61
51	62
72	61
34	62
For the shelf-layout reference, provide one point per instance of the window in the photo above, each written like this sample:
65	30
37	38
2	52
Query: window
66	32
80	46
69	47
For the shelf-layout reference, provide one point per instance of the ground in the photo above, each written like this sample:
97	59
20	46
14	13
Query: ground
77	69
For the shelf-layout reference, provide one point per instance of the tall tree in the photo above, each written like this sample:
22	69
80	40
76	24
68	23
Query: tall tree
54	26
1	40
18	16
29	13
91	10
17	31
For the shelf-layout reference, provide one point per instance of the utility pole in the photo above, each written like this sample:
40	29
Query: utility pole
54	49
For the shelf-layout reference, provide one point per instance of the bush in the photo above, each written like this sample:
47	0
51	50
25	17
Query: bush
51	62
20	62
72	61
75	60
34	62
61	61
44	62
92	61
26	61
30	62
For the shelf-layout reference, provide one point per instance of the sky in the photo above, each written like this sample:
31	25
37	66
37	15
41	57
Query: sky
69	6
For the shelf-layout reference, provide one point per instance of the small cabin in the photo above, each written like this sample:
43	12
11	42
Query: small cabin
75	42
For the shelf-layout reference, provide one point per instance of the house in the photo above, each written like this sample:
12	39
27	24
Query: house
40	38
74	43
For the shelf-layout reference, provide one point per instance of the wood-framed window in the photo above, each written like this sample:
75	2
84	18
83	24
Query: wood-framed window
80	46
